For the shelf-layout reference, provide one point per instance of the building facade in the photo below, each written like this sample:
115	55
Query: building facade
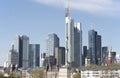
73	38
13	58
60	56
100	72
77	45
34	55
51	42
94	53
21	46
104	55
84	54
42	59
98	50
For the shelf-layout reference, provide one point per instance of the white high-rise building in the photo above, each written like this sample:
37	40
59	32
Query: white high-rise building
73	41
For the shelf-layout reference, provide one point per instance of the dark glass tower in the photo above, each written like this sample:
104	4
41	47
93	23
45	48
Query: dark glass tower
104	55
98	50
92	46
94	52
84	54
34	55
21	45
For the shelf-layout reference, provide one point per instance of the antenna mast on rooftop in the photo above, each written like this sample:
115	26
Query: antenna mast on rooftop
67	8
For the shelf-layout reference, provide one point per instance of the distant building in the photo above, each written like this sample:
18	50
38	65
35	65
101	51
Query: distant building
51	42
113	54
21	46
87	61
100	72
98	50
64	72
77	45
42	59
104	55
92	46
73	38
60	56
13	58
34	55
84	54
94	52
50	60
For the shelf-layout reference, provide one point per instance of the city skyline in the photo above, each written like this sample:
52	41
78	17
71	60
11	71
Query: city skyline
34	20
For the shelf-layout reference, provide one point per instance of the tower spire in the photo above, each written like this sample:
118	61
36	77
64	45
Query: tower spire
67	9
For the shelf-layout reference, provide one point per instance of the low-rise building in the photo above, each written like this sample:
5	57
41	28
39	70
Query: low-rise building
101	72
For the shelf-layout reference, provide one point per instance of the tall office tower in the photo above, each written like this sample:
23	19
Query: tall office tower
13	57
98	50
21	45
104	55
77	45
60	56
52	42
73	42
94	47
84	54
34	55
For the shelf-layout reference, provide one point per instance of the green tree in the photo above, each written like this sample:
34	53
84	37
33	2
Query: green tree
12	74
76	75
15	75
1	75
19	76
37	73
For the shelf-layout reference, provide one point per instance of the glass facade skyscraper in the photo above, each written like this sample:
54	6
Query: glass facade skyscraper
77	45
92	46
94	52
73	38
21	45
104	55
51	42
34	55
98	50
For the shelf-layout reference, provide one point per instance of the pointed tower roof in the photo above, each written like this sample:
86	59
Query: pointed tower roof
67	12
67	9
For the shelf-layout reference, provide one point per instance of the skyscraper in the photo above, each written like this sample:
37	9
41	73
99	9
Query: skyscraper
60	56
69	40
73	41
92	46
77	45
51	42
85	50
104	55
34	55
94	52
21	45
13	57
98	50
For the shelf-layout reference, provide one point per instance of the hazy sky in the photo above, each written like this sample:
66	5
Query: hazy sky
38	18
